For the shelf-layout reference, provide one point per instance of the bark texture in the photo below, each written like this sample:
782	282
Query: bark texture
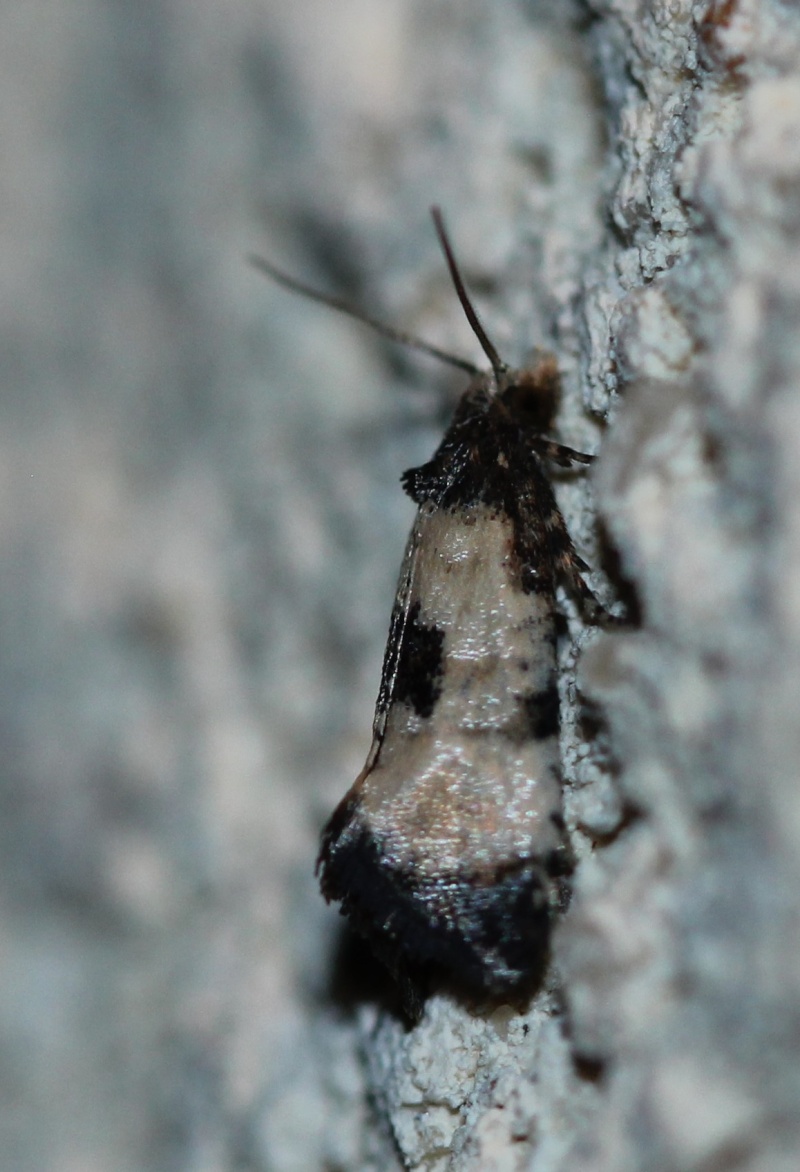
200	526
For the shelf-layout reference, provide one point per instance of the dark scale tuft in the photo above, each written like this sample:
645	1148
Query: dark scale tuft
492	932
419	668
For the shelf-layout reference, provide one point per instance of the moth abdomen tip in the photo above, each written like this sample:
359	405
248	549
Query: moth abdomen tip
489	931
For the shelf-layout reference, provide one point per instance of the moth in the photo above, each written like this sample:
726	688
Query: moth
450	848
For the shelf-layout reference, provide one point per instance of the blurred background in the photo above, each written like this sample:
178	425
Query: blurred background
200	518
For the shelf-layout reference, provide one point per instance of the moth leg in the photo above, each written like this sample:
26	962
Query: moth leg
569	569
559	453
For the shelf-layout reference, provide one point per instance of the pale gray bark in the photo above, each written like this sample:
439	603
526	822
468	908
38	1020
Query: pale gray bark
200	524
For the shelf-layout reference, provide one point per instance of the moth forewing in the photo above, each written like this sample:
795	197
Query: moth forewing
453	836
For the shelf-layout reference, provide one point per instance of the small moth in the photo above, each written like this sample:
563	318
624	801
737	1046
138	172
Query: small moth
448	849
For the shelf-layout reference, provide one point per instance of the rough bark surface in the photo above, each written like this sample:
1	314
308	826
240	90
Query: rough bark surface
200	525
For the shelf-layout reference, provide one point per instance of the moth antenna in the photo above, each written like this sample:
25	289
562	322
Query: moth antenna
338	303
498	366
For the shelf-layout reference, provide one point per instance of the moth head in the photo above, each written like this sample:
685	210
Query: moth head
531	395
